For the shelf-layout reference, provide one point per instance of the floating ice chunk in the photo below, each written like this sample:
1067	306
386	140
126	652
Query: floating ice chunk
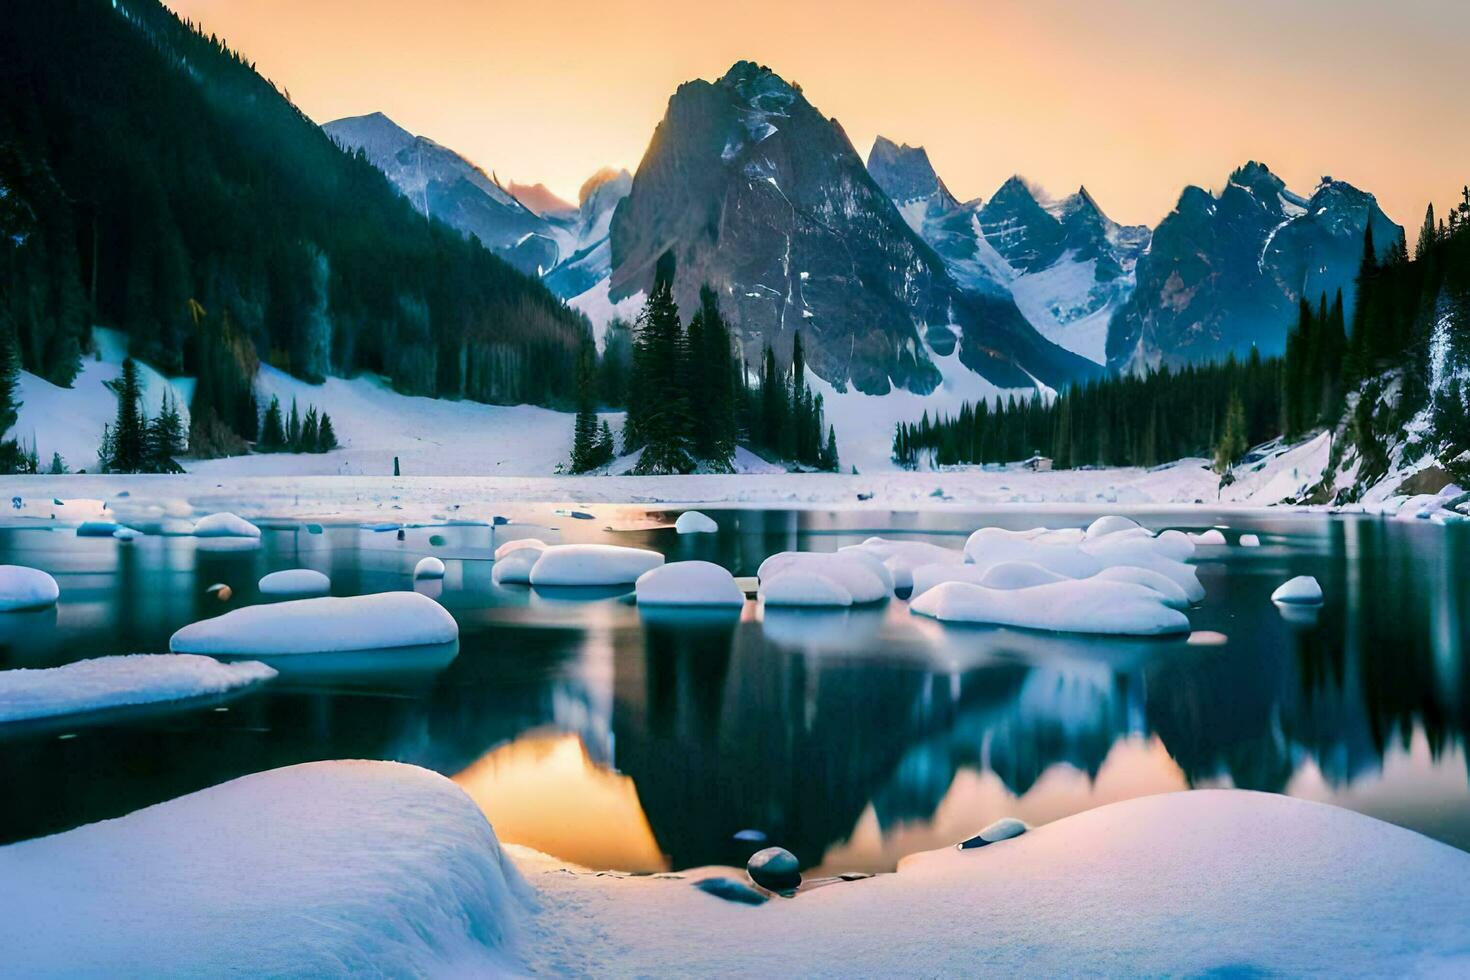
535	544
296	581
1018	575
688	583
592	564
992	545
928	576
902	557
795	587
116	682
428	567
326	625
1212	536
322	869
1174	544
1122	550
1083	606
1111	524
1250	541
1173	595
127	534
860	574
1302	590
693	522
23	587
225	525
1003	829
515	567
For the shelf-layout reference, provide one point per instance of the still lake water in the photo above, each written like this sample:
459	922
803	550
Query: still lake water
620	740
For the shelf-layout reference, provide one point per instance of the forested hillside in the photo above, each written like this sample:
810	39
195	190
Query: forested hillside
152	181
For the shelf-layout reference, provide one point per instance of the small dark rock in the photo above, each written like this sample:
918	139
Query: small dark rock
437	540
730	890
1003	829
775	868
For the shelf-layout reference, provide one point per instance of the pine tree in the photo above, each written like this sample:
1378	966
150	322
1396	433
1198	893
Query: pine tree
166	438
310	431
1232	444
58	466
584	428
129	430
1428	235
293	430
661	418
602	450
10	453
272	431
830	462
326	439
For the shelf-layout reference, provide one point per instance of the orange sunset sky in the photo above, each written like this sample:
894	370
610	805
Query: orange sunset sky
1134	98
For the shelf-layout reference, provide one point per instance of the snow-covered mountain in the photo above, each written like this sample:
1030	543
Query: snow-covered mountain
1225	271
758	195
1065	264
527	225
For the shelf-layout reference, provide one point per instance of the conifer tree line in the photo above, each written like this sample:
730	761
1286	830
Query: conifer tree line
687	398
293	432
133	443
187	183
1128	420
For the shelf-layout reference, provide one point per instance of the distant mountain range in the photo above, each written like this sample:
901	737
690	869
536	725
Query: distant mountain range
882	268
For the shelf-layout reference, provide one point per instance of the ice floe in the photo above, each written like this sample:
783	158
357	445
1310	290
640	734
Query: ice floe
688	583
122	681
23	587
1082	606
592	564
295	581
322	869
693	522
859	574
1303	590
329	624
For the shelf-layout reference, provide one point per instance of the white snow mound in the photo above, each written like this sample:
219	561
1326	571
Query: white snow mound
803	588
1017	575
592	564
1212	537
1302	590
1083	606
1250	541
1111	524
693	522
295	581
519	544
322	869
115	682
326	625
23	587
428	567
225	525
858	573
688	583
902	557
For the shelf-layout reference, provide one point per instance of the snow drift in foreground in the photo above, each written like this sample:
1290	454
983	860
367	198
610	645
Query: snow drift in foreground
1201	882
1090	605
23	587
117	682
326	625
323	869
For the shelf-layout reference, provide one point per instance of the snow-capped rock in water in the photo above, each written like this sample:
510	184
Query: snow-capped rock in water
321	869
1110	524
126	534
326	625
1010	575
122	681
1209	537
1005	828
774	868
688	583
902	557
296	581
1082	606
23	587
1250	541
225	525
514	560
693	522
804	588
591	564
1066	265
860	575
762	198
428	567
1225	271
1174	596
1303	590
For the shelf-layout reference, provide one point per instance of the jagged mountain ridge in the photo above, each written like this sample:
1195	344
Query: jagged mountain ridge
764	199
1225	271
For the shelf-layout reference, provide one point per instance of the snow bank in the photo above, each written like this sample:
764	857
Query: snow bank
323	869
857	573
295	581
115	682
225	525
1302	590
23	587
326	625
693	522
689	583
1200	883
1082	606
428	567
592	564
902	557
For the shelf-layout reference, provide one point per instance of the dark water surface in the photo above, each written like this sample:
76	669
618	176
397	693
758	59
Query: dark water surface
625	741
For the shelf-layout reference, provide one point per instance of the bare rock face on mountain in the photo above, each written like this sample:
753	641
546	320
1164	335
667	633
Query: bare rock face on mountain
1225	271
759	196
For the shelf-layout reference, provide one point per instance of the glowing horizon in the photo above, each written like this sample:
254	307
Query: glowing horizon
1135	98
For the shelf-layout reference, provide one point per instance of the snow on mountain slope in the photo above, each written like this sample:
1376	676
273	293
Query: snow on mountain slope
599	308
